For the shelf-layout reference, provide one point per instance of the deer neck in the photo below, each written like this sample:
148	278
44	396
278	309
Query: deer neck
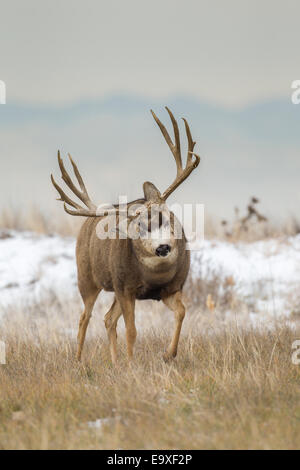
158	270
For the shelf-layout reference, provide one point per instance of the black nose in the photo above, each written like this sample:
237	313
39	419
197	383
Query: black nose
163	250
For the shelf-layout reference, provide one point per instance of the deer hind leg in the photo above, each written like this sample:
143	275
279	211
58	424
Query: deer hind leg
111	320
127	304
89	302
174	303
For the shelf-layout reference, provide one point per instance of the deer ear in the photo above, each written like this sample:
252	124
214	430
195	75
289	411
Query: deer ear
151	192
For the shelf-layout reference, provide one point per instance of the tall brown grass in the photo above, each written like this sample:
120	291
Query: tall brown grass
229	388
57	221
33	219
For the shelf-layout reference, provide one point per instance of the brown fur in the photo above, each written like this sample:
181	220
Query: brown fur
131	268
114	265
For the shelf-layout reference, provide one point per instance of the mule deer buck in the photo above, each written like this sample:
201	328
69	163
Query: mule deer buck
142	267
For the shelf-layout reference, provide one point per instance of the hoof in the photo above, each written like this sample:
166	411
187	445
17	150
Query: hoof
167	357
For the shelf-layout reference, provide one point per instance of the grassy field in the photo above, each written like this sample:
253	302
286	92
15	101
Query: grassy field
231	389
231	386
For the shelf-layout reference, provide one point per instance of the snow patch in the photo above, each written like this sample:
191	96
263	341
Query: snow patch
265	274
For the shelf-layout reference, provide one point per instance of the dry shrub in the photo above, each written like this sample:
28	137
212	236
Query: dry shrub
250	225
220	289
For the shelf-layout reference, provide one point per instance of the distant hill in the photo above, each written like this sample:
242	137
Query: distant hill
254	150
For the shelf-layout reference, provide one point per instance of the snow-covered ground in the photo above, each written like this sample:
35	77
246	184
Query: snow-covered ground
31	265
265	274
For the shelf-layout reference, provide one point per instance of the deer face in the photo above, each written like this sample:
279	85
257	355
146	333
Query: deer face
156	230
156	235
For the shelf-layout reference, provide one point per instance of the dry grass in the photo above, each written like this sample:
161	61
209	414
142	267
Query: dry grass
228	389
254	231
35	220
57	221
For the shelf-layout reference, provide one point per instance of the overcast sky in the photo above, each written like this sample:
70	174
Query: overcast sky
229	52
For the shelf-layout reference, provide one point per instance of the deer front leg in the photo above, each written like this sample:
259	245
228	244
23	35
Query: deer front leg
127	304
174	303
89	302
111	320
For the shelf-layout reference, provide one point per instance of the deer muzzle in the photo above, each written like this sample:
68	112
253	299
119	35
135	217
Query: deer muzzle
163	250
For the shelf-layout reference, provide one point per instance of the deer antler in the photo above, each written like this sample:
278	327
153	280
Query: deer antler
191	164
91	210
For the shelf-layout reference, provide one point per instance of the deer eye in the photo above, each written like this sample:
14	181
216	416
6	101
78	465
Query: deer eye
155	222
143	228
160	219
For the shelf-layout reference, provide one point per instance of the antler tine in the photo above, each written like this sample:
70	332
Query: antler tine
92	210
175	149
82	212
63	196
78	175
191	164
82	195
191	143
